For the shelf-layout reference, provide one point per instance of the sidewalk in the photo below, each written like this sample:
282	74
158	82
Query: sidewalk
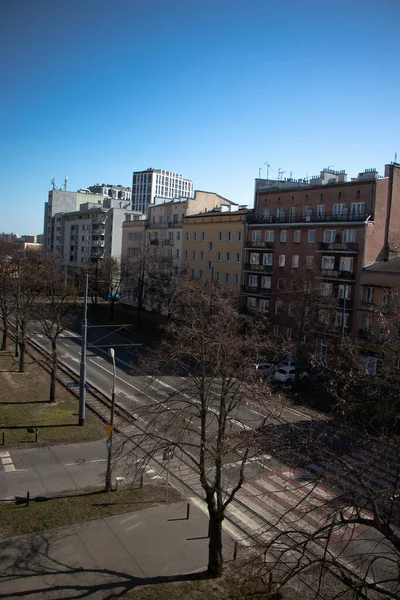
100	559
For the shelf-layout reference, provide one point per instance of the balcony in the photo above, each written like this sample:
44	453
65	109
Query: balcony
371	337
258	268
98	243
327	218
349	275
258	290
269	245
348	304
352	247
153	242
168	242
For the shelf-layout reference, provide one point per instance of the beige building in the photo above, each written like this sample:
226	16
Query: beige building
212	245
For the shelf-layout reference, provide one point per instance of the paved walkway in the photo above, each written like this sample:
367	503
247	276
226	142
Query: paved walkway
105	558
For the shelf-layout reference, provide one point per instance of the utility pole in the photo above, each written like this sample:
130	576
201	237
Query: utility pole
82	379
108	486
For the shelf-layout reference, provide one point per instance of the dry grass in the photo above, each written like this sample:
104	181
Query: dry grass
24	406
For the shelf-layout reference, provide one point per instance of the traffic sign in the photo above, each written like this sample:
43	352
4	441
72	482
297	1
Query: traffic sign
108	445
72	384
109	430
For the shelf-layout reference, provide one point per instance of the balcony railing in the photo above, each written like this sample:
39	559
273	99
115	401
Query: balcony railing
371	337
98	243
339	247
338	274
258	268
360	217
168	242
153	242
252	244
250	289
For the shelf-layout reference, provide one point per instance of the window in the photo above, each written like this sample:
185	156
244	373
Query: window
178	235
218	256
251	302
309	262
265	213
256	236
229	236
192	273
254	258
268	259
236	278
200	274
193	253
348	236
321	210
295	261
177	253
290	310
311	236
339	209
203	236
367	324
283	236
397	362
289	333
281	283
210	245
321	351
264	305
278	307
195	237
344	290
187	236
323	316
209	265
281	260
238	257
226	277
339	319
228	257
307	211
217	276
265	282
346	263
219	236
276	330
201	255
326	289
269	235
329	236
328	263
292	214
385	297
253	281
297	236
369	295
358	209
171	236
239	236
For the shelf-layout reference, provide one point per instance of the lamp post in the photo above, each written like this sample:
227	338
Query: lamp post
108	486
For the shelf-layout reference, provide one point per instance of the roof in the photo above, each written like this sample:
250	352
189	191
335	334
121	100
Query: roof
392	265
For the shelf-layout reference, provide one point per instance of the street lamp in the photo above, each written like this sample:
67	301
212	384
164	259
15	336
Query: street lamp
111	426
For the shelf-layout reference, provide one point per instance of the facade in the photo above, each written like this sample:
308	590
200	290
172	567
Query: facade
328	226
94	232
152	183
212	245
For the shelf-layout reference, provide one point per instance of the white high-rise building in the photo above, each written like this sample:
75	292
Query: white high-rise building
146	185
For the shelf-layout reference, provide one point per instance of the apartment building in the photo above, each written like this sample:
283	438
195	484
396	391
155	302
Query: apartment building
152	183
118	192
328	225
378	327
212	245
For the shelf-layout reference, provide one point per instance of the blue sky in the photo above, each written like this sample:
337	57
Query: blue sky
96	89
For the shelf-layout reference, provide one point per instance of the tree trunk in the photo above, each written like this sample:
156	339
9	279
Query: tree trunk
4	338
22	356
53	375
215	561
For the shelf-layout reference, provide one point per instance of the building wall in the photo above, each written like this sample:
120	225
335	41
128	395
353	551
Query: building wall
212	247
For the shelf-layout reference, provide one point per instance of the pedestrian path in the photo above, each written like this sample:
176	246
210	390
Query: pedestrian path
6	462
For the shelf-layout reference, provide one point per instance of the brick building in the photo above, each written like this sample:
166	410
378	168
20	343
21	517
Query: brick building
329	226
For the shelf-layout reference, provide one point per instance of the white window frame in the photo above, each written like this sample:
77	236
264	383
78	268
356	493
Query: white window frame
297	236
295	261
218	256
346	264
349	236
268	259
283	236
357	208
311	236
256	236
328	260
269	235
277	330
281	260
309	262
228	257
219	236
266	282
329	236
252	281
289	333
254	258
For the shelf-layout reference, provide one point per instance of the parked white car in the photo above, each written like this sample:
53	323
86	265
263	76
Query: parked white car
264	368
286	374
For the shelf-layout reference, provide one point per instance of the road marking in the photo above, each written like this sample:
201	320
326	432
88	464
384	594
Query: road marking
133	526
227	526
7	462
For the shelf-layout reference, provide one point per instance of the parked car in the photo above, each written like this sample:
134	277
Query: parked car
286	374
264	368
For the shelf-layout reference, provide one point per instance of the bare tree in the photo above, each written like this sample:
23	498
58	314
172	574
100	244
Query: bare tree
139	270
7	270
209	351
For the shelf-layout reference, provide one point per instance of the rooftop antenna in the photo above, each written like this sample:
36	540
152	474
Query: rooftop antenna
259	173
330	166
268	168
53	183
280	173
65	183
395	157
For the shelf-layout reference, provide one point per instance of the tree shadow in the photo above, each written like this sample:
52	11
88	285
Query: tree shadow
29	570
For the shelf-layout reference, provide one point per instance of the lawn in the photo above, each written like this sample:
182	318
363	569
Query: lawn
45	513
24	406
